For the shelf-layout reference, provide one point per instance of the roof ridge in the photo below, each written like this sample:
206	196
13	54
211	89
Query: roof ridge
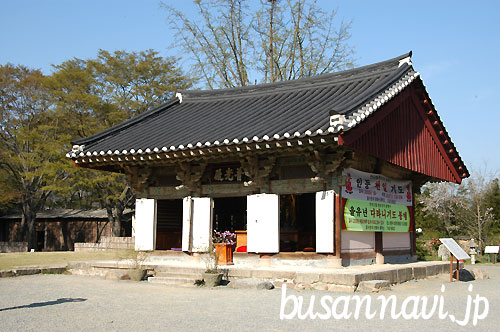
313	81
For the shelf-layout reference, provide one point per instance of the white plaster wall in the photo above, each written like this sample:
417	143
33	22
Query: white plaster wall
145	224
396	240
357	241
325	207
202	223
263	223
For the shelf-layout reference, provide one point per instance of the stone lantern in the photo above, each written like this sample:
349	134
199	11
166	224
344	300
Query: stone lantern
472	251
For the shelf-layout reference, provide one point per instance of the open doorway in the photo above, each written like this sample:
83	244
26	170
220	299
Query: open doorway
230	214
169	224
40	240
297	222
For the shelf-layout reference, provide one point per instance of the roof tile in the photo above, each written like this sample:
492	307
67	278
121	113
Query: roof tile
261	112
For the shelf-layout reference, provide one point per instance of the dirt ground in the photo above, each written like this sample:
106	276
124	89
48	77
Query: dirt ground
80	303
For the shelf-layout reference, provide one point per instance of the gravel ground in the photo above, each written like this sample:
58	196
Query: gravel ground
80	303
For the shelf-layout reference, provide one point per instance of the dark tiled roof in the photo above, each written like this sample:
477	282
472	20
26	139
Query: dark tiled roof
306	107
68	214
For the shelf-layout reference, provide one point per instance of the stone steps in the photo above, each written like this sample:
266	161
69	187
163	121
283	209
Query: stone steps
184	275
175	275
172	281
178	269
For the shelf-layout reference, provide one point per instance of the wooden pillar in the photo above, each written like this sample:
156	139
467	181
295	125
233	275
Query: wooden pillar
451	267
338	226
414	240
379	248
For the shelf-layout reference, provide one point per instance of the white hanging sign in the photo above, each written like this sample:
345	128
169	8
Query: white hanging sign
376	188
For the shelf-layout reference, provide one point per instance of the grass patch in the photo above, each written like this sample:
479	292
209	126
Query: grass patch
10	260
432	258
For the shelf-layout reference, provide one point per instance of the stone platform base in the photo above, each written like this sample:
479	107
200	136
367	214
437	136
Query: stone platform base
344	279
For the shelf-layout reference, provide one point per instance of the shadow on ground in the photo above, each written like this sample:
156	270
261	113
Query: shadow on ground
44	304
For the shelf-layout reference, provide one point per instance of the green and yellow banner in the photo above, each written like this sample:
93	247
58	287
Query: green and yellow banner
365	216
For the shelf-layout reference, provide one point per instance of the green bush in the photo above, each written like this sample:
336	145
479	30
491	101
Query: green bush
422	250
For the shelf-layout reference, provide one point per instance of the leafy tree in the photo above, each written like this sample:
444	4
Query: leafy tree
31	143
99	93
9	194
281	40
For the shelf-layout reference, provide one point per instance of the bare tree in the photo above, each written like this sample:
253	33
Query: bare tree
463	209
440	200
280	40
477	216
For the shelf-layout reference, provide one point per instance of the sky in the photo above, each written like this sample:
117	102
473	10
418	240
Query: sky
455	44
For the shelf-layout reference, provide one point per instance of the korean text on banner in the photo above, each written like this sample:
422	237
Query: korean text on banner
363	216
376	188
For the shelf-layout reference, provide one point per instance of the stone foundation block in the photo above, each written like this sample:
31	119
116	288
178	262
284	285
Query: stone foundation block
341	288
251	283
263	274
419	272
340	279
404	275
7	273
25	272
374	286
433	270
307	278
236	273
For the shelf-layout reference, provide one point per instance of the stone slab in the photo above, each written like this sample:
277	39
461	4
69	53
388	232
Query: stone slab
26	272
263	274
124	274
346	279
373	286
171	281
404	275
7	273
240	273
79	265
478	273
432	270
419	272
191	276
251	283
341	288
306	278
53	270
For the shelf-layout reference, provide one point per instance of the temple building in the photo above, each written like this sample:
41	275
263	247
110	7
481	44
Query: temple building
326	166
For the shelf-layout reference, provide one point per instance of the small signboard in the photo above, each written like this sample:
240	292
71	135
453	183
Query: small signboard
454	248
491	249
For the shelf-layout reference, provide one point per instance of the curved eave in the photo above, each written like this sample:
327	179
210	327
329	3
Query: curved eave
266	144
